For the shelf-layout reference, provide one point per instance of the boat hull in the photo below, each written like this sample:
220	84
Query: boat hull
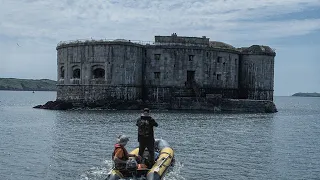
164	161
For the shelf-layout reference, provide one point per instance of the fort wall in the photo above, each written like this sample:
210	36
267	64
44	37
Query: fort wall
174	72
257	73
94	71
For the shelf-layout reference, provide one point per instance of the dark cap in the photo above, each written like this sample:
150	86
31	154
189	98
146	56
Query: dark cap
146	110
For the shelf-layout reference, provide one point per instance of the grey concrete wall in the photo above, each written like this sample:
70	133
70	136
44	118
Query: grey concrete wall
174	64
228	67
216	104
122	64
257	76
130	71
92	93
208	64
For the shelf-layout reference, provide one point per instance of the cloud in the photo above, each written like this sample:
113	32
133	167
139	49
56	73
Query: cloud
61	20
39	25
33	58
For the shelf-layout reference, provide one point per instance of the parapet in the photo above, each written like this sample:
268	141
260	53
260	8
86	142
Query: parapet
221	45
81	42
182	40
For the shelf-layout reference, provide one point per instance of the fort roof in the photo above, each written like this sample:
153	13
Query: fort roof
176	41
258	49
218	44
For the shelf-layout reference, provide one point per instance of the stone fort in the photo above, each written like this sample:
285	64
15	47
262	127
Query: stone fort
173	72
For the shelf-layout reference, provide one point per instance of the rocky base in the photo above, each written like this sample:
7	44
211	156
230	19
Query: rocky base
55	105
117	105
102	104
182	103
247	105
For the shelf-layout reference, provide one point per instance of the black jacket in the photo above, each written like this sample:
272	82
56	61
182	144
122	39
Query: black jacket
145	127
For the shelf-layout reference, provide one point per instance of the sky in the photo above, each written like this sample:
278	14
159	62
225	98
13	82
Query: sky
31	29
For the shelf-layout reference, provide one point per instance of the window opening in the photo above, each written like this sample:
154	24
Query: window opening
98	73
218	76
62	73
76	73
157	56
157	75
191	57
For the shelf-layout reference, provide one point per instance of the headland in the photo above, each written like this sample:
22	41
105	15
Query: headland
300	94
14	84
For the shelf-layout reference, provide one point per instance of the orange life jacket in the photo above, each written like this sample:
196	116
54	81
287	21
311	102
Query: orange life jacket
125	157
125	152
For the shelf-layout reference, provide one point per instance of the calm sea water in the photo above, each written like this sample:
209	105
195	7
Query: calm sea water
77	145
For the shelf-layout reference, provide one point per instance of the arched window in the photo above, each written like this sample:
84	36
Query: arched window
62	72
76	73
98	73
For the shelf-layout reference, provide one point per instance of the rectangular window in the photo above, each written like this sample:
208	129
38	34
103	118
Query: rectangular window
191	57
157	75
218	76
219	60
157	56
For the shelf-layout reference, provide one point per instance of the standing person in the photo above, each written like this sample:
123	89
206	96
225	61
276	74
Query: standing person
146	134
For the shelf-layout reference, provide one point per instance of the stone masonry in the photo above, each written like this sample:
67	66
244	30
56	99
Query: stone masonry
122	74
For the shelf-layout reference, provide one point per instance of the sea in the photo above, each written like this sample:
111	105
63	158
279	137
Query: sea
39	144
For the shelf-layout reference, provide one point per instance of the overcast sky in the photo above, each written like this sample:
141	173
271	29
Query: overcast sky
31	29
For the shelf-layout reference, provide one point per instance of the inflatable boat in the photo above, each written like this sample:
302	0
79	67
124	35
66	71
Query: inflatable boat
164	160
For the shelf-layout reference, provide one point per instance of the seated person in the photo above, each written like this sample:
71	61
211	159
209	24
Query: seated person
120	155
146	158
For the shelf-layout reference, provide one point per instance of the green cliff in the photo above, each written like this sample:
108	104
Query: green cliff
27	84
307	94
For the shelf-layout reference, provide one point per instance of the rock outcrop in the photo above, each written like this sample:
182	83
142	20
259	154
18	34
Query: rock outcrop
55	105
212	104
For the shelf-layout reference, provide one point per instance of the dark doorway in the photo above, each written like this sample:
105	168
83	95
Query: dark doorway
190	76
243	93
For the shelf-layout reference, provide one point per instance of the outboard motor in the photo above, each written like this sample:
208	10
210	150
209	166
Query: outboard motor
131	171
132	166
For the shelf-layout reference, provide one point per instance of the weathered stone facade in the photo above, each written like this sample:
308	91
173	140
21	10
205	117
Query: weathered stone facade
171	70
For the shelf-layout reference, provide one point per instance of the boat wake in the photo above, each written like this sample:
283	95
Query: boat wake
175	174
101	173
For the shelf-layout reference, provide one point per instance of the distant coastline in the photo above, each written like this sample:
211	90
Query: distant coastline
300	94
14	84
